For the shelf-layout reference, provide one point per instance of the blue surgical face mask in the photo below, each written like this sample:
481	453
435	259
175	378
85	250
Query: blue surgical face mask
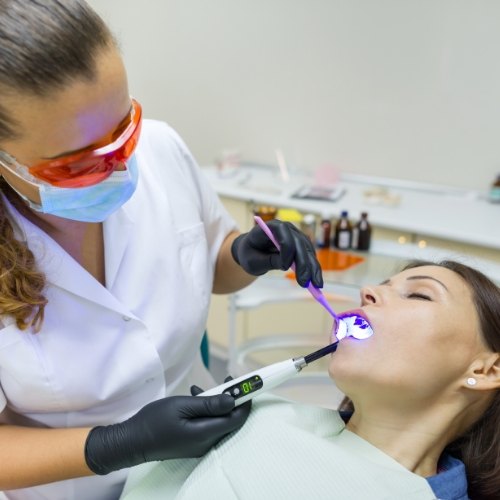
89	204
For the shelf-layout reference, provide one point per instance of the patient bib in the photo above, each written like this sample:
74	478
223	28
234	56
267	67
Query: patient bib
285	450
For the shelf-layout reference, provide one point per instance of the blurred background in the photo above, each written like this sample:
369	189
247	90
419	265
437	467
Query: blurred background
396	88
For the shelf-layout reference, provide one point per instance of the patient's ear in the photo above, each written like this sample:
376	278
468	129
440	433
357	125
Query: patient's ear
484	372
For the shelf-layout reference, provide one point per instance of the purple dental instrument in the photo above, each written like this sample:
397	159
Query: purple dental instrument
315	292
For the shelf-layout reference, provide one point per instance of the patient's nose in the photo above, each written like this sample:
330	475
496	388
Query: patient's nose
368	296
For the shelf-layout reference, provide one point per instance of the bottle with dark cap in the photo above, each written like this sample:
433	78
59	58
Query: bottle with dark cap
343	232
362	233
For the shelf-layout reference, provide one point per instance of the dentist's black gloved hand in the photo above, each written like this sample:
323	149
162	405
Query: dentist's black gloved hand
256	253
244	408
173	427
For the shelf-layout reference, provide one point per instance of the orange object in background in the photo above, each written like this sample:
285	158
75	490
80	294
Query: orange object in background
334	260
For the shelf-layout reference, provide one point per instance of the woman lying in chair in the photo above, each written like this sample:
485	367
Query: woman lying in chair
425	401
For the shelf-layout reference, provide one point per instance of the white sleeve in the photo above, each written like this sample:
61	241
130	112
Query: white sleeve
218	222
3	400
171	162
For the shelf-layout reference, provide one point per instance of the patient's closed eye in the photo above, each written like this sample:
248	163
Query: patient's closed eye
420	296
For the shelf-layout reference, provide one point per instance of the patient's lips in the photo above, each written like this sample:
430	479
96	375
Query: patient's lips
353	324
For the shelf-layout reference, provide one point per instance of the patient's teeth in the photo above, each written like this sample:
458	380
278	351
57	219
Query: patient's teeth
353	326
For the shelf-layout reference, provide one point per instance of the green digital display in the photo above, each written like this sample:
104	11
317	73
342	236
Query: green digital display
245	387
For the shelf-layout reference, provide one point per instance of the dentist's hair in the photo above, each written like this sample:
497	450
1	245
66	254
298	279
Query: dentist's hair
45	45
479	446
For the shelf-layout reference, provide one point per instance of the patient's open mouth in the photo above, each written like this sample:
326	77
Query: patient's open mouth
353	324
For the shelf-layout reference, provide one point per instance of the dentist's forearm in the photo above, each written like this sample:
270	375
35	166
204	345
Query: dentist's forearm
32	456
229	275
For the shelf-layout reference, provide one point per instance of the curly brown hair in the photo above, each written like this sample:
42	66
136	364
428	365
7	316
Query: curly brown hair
21	283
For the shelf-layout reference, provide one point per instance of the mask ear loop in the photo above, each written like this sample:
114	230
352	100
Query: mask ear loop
19	172
15	168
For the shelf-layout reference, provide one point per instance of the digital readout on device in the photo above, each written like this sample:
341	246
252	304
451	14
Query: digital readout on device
245	387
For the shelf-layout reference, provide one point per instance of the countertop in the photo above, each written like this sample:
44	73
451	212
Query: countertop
437	211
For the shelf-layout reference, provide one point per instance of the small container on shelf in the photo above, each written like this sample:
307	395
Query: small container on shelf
343	232
265	212
362	234
325	230
308	227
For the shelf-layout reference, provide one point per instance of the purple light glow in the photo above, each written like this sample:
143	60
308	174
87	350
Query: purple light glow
353	326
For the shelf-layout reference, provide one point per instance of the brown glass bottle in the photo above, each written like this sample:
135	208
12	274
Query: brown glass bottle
265	212
325	231
362	233
343	232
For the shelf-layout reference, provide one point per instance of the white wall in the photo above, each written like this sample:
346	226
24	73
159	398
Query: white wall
398	88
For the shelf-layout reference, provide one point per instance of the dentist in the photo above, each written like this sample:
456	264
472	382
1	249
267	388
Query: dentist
111	244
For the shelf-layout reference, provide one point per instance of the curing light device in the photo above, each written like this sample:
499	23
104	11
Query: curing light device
254	383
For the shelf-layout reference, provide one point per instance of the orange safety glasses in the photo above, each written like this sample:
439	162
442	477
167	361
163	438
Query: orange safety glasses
92	166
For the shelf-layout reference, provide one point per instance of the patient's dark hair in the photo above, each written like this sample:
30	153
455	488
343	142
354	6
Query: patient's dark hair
479	447
45	45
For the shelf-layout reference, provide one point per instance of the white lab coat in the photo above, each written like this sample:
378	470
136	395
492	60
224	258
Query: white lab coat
104	352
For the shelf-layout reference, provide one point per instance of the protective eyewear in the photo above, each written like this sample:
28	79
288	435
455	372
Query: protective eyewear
94	164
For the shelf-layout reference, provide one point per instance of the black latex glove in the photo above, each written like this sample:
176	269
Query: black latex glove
256	253
174	427
246	407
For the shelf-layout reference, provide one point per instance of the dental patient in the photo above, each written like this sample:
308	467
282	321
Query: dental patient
423	400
